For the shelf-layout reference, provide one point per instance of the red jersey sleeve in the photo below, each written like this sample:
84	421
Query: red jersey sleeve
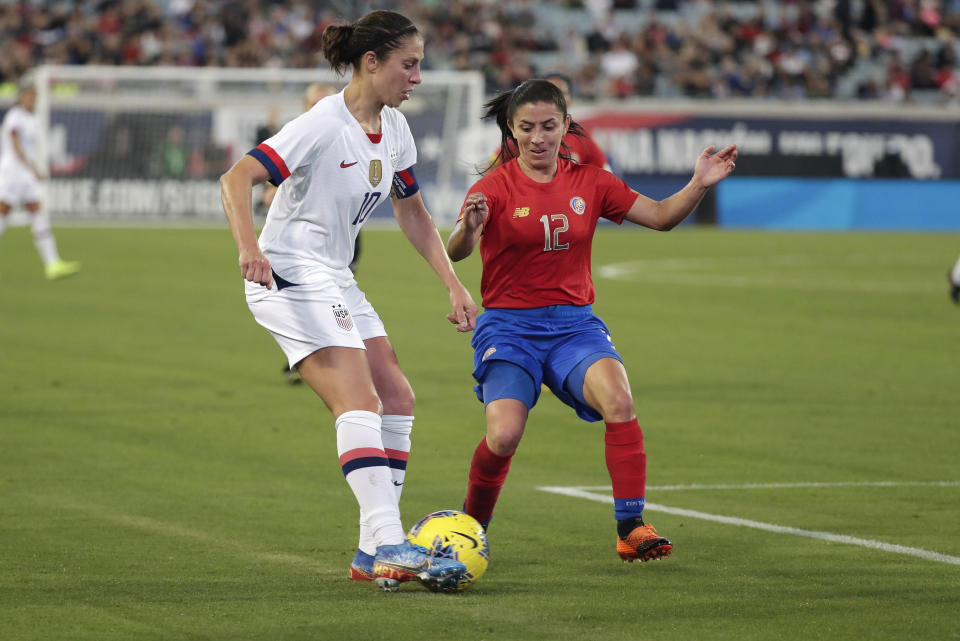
617	196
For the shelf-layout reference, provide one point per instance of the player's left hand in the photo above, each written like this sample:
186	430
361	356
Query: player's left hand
711	167
464	314
475	211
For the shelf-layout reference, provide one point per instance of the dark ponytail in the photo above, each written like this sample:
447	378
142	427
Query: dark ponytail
379	31
503	107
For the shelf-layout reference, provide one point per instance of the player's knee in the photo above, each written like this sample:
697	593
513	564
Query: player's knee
400	400
617	406
503	442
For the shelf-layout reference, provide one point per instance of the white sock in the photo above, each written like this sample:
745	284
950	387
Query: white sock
395	434
364	464
396	443
43	237
954	276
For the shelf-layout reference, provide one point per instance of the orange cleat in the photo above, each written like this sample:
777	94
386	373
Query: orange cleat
643	544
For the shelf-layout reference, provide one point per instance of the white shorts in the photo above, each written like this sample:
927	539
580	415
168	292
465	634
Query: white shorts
16	190
305	318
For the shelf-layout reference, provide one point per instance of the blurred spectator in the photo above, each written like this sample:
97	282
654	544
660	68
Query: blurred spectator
174	153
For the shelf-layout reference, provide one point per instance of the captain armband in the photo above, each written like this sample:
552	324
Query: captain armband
404	184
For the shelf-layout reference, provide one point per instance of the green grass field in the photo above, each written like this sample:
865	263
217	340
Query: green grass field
159	480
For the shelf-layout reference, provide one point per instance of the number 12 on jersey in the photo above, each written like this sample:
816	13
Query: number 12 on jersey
370	200
551	242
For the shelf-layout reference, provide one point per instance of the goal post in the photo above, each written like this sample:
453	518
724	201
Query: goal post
129	145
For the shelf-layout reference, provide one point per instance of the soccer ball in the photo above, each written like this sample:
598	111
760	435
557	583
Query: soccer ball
450	534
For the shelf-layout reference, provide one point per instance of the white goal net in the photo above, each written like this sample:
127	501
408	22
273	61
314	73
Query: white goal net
148	144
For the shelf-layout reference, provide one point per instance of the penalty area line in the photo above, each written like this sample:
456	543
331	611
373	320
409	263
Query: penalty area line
928	555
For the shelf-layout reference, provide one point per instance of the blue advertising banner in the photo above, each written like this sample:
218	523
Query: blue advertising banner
796	172
668	143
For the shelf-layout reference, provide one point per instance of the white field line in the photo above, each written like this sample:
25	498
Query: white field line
578	492
704	271
782	486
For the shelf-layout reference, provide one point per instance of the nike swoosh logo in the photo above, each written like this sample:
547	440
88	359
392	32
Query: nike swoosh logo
397	484
344	164
476	544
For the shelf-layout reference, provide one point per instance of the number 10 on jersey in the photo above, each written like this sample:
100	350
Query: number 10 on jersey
370	200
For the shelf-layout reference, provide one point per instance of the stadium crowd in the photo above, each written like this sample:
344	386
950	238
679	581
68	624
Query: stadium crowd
894	50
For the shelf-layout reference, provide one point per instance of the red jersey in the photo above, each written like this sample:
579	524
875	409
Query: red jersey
537	238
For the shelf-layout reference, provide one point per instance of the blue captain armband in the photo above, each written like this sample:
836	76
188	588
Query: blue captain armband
404	184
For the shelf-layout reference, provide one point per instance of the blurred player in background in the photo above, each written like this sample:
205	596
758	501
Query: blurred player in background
954	277
333	165
579	148
536	215
20	176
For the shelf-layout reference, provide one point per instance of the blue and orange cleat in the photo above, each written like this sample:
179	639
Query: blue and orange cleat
643	544
396	564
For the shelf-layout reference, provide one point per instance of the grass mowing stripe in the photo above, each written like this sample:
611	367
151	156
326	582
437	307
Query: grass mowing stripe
749	282
177	531
928	555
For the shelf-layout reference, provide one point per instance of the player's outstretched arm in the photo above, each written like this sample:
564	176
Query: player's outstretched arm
418	227
236	192
666	214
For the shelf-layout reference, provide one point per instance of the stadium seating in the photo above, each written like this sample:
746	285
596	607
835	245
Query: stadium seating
675	48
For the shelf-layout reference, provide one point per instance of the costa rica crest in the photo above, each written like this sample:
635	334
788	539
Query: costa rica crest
578	205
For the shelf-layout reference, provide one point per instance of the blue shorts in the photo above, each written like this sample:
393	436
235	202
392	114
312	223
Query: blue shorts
554	345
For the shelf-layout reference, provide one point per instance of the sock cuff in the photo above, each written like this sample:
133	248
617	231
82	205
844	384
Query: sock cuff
397	424
626	433
361	418
486	451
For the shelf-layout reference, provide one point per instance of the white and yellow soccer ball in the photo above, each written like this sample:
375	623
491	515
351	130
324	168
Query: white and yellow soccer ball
449	534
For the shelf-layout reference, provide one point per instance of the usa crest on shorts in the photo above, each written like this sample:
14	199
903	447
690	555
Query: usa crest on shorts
578	205
342	315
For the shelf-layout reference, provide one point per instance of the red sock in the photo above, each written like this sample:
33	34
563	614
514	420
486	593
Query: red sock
626	460
488	471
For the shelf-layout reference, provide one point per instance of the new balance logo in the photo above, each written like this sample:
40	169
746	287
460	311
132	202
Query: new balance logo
344	164
521	212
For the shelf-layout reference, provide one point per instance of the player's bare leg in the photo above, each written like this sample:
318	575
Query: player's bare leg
607	389
506	421
397	398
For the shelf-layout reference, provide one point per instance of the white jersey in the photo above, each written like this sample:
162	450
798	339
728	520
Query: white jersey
25	124
331	175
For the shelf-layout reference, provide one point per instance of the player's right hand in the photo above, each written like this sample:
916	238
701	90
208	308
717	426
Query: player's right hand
475	211
255	267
